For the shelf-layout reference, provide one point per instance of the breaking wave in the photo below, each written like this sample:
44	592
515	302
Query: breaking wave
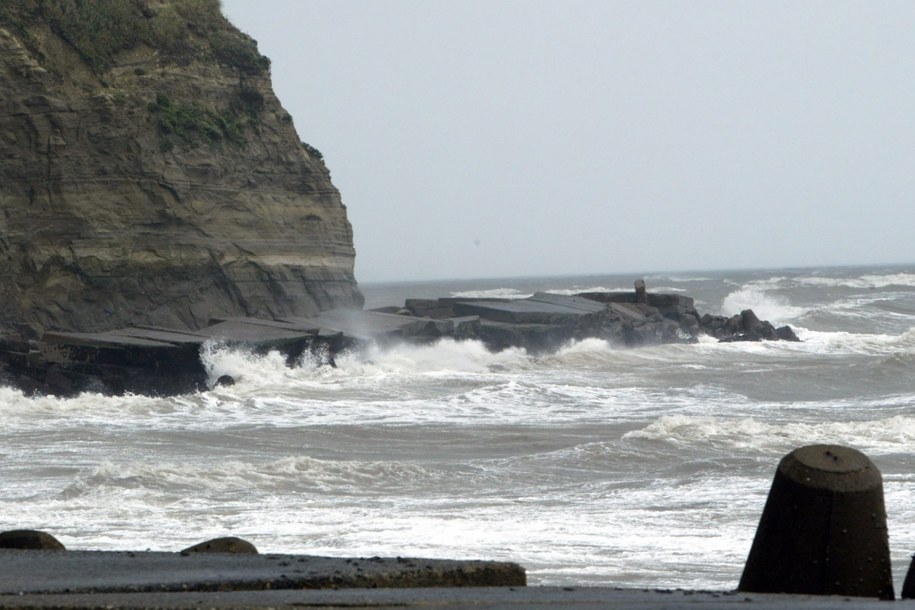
879	436
864	281
492	293
298	474
775	309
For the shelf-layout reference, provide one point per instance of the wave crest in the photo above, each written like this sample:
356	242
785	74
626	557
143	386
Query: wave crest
880	436
867	281
291	474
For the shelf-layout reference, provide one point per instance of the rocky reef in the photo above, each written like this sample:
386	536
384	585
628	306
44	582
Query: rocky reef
151	360
150	176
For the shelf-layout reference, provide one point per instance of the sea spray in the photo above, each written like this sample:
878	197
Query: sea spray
765	305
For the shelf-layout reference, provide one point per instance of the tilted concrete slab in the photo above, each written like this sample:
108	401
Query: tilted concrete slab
246	331
627	311
572	302
164	335
542	308
274	324
112	339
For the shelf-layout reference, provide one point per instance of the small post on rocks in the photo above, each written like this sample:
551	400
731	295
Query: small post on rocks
641	295
823	529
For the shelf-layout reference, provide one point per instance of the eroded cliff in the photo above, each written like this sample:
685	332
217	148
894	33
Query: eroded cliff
149	175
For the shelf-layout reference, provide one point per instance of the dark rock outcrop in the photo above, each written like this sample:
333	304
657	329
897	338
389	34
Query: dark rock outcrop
150	176
29	540
744	327
227	544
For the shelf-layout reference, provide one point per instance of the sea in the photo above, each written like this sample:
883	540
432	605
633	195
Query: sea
595	465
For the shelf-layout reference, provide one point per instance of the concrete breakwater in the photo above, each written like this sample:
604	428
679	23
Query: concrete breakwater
162	361
55	571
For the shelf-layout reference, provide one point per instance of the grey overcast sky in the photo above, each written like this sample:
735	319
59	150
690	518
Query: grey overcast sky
487	138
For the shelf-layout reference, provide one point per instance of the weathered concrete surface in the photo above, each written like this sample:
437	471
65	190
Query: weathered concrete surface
465	598
823	530
94	579
542	308
132	572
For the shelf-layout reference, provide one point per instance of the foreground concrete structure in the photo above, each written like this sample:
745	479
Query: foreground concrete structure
55	572
477	598
94	579
823	530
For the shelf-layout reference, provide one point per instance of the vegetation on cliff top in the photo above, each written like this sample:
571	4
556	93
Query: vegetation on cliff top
181	30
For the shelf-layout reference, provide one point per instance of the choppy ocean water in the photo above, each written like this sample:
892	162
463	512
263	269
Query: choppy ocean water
595	465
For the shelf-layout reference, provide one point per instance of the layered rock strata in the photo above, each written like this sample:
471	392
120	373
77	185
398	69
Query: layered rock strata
144	184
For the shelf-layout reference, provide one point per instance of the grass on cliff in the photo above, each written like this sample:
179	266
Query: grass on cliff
98	30
191	123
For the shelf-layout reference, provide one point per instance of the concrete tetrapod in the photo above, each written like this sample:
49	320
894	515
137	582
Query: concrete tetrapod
823	529
908	585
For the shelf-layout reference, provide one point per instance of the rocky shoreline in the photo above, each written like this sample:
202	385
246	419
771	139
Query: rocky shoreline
163	361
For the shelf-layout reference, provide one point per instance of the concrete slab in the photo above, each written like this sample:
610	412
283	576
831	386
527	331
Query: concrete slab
366	325
275	324
130	572
628	312
166	336
253	333
112	339
521	598
572	302
542	308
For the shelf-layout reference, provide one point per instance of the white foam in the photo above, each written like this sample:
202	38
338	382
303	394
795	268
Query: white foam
585	346
856	343
766	306
868	281
442	356
666	289
879	436
291	474
25	413
687	278
579	289
492	293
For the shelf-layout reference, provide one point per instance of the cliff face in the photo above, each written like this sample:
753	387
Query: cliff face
160	185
